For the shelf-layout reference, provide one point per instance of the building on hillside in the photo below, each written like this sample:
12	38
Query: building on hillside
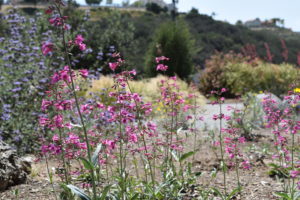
269	23
253	23
161	3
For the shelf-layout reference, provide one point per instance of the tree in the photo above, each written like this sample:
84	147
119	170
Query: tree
155	8
173	10
93	2
117	35
125	3
194	11
174	41
109	2
1	3
239	23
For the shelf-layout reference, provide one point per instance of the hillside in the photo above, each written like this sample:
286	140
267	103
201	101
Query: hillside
210	36
131	32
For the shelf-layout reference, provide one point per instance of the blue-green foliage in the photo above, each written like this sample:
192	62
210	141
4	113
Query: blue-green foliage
23	80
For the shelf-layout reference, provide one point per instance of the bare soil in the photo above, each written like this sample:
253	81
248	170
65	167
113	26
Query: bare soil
256	183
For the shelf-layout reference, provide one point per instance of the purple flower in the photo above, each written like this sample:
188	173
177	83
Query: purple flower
16	89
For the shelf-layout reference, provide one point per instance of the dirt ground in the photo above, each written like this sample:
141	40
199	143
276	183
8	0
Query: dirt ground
256	183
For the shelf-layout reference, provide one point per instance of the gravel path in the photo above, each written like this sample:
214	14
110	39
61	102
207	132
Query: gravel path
210	110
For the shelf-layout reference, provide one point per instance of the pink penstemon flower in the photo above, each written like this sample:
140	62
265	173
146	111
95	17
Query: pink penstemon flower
79	39
162	58
47	47
113	66
161	67
58	21
49	10
46	104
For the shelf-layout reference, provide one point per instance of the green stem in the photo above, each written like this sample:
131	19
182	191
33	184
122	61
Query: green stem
237	166
293	180
50	177
194	128
143	136
222	152
77	105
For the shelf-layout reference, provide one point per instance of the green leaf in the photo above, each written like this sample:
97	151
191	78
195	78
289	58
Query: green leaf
95	157
186	155
87	164
236	190
174	155
283	195
274	165
198	174
135	196
218	192
104	192
78	192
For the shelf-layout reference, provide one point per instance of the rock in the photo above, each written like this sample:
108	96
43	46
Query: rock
255	115
26	163
12	170
262	96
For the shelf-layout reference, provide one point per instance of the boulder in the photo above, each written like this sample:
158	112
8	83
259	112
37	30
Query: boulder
12	170
262	96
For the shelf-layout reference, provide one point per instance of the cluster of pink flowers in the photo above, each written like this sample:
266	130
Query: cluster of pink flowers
232	138
160	66
283	124
122	113
232	142
48	47
113	65
174	105
79	42
128	125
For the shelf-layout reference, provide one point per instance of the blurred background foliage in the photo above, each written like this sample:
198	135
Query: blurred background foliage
132	33
241	75
213	54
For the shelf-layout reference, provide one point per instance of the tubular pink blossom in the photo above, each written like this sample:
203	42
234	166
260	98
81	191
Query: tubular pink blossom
84	73
79	39
162	58
47	47
113	66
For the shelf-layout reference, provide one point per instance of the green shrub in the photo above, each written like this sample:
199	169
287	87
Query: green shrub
155	8
213	77
172	40
239	75
29	11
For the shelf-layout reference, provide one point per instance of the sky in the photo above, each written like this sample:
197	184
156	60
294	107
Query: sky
234	10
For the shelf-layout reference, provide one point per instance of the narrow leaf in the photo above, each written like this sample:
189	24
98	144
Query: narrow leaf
104	192
186	155
174	155
218	192
86	163
95	157
283	195
236	190
78	192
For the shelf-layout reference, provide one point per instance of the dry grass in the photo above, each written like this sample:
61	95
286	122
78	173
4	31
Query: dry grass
147	88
